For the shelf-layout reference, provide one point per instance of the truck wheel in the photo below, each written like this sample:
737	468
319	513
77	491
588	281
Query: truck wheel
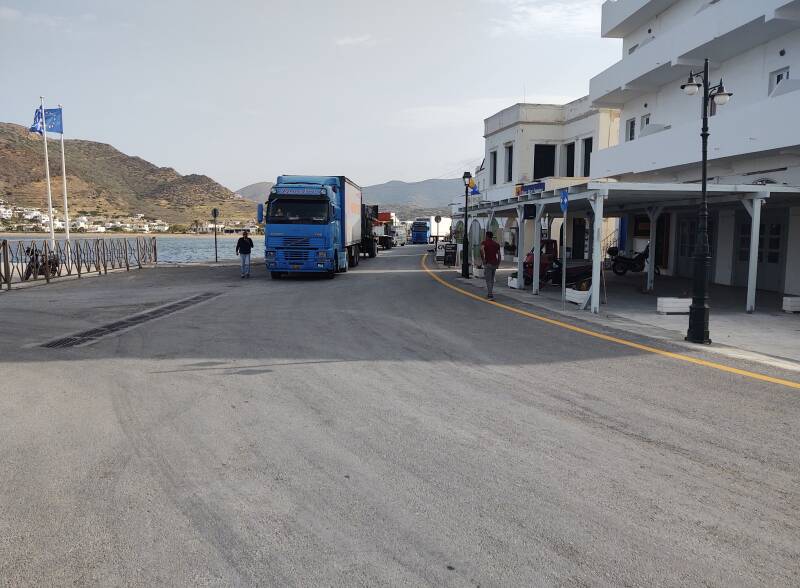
357	256
373	249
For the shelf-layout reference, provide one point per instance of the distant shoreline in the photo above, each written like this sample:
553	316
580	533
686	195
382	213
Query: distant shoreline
110	234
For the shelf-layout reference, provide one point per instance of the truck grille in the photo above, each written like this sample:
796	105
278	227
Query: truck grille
295	255
294	242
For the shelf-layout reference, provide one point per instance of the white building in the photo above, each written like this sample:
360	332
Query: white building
538	147
754	45
159	226
531	142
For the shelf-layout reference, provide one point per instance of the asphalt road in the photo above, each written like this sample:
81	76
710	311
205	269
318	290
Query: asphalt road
376	429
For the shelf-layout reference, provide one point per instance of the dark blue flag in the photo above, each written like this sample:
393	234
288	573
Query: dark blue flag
53	118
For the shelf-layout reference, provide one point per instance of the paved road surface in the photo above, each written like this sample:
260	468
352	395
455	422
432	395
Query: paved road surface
377	429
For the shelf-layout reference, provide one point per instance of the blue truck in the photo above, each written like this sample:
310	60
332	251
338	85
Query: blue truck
316	224
420	232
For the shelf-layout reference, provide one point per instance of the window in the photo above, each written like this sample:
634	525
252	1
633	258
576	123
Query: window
630	129
776	77
587	156
509	163
641	225
645	121
769	244
544	161
493	167
569	149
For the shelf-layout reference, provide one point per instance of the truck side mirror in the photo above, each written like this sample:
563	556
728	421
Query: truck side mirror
260	214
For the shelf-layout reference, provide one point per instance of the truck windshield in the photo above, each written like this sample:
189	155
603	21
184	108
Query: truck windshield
303	212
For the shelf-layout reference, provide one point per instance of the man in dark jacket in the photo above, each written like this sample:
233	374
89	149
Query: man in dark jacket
243	248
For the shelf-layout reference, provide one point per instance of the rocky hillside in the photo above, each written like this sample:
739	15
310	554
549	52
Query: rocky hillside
102	180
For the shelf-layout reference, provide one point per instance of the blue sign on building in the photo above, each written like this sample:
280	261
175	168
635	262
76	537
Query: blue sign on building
564	199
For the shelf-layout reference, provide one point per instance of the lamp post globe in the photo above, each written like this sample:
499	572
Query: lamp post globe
467	177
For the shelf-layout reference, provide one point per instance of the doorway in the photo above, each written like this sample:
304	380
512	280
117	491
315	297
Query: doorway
578	238
771	249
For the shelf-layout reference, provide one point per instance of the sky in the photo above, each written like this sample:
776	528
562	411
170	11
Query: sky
245	90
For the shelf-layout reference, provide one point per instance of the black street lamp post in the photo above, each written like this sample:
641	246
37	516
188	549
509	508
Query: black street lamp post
699	310
465	251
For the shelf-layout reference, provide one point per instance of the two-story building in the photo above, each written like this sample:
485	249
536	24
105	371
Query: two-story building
754	46
546	146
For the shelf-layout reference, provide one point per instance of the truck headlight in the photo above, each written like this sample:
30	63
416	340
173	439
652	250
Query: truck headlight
322	254
270	255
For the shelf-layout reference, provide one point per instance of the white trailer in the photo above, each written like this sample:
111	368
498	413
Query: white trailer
440	229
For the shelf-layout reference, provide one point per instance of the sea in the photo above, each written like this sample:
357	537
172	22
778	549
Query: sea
171	248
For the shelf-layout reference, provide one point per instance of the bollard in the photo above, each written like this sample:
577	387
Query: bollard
78	257
105	264
6	265
127	262
138	254
46	262
155	250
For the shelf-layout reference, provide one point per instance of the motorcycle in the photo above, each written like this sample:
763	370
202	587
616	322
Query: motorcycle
38	266
621	264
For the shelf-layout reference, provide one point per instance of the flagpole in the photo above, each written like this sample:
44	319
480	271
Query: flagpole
47	174
64	176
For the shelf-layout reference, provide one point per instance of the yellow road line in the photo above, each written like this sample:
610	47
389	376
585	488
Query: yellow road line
618	340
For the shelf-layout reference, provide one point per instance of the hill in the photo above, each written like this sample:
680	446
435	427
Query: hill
407	199
258	192
105	181
427	194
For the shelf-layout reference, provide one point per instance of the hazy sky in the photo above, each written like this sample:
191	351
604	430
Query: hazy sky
243	90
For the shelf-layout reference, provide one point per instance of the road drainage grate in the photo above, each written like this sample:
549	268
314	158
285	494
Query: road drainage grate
91	335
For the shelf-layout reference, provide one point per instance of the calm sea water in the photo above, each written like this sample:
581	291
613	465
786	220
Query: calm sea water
174	248
182	249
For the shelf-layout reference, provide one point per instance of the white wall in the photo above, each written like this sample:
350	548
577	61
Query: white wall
792	284
747	75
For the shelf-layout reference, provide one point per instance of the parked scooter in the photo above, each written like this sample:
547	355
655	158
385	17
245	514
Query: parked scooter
37	266
621	264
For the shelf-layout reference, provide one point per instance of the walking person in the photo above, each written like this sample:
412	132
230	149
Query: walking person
490	256
243	248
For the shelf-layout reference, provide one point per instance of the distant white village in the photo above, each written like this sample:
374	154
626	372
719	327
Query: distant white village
34	220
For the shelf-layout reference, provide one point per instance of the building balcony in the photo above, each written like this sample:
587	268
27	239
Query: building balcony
622	17
719	32
770	125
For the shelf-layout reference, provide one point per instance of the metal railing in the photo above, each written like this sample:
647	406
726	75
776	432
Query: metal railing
35	259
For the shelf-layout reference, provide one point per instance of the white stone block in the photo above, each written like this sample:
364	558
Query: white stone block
791	304
578	297
673	305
